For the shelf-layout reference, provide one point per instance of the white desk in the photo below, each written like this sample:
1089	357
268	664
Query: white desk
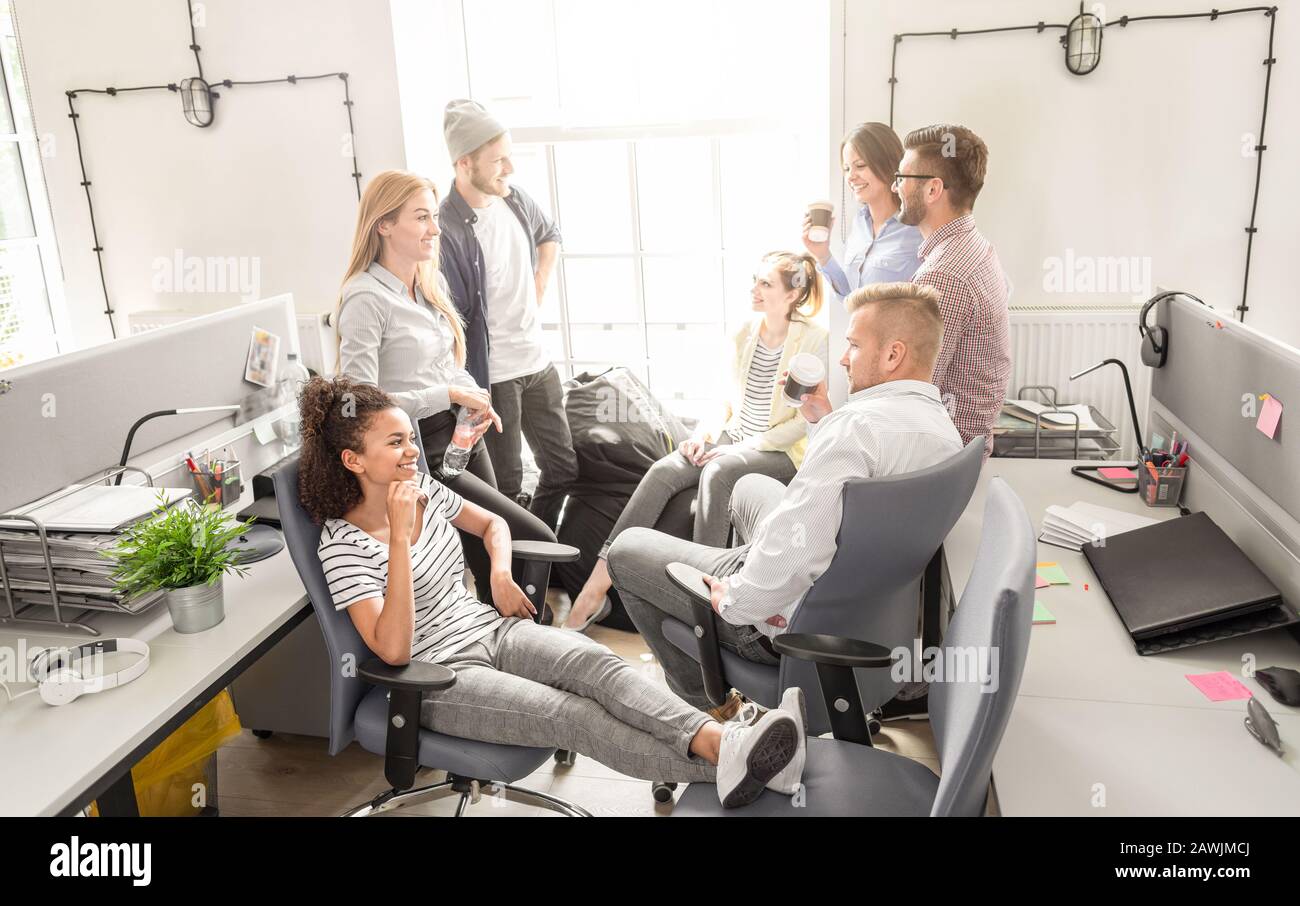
54	760
1090	710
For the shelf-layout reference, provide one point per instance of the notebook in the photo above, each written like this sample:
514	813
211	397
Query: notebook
1179	575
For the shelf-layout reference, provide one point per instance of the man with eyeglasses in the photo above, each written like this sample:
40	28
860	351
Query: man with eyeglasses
939	178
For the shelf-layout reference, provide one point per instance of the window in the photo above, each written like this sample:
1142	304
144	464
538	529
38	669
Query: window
673	142
28	256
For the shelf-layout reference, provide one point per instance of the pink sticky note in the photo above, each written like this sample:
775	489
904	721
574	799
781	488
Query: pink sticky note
1269	416
1040	582
1115	473
1219	687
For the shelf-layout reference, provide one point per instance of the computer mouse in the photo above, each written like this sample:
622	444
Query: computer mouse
1282	683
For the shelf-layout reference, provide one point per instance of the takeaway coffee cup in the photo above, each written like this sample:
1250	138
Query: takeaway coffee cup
806	372
819	212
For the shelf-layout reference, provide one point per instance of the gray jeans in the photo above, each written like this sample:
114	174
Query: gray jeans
717	480
533	404
637	564
533	685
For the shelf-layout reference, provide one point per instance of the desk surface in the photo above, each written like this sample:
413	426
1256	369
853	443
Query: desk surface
49	756
1090	710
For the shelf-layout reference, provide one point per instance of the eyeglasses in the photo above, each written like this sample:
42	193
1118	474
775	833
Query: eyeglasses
899	177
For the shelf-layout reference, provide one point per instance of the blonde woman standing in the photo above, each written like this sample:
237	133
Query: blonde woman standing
399	331
756	430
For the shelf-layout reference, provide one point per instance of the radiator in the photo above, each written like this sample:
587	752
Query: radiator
1051	342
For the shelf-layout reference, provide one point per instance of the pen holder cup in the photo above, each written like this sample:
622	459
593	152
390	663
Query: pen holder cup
223	490
1165	488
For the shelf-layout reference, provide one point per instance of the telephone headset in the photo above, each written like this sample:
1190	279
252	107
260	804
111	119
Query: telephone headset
55	669
1155	339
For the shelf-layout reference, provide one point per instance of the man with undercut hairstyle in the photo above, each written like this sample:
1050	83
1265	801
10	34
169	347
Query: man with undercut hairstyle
893	422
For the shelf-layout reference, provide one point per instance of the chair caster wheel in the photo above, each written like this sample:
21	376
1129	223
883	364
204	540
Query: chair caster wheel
565	757
262	734
663	792
873	725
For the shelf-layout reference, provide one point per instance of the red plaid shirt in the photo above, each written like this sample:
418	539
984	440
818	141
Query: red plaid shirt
974	363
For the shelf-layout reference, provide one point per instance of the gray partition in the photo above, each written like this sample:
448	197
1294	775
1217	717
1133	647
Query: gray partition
67	417
1213	364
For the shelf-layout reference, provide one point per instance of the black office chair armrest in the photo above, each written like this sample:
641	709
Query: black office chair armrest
832	650
406	685
544	551
836	658
415	675
691	580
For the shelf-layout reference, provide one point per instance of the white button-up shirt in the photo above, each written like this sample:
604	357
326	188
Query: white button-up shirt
402	345
888	429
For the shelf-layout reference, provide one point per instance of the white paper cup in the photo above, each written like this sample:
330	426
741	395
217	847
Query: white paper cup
805	373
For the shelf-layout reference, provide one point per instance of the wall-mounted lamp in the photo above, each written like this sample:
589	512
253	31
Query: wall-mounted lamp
1082	42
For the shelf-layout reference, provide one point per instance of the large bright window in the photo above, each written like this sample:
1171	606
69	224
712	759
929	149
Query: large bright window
674	143
29	271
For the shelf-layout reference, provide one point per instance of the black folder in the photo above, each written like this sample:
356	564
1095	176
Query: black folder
1183	582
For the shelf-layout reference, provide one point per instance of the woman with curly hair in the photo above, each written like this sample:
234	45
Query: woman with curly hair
393	561
755	431
398	329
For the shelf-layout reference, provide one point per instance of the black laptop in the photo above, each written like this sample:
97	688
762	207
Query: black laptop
1183	582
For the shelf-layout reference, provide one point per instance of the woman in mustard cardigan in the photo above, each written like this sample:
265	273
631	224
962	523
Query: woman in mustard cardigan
757	433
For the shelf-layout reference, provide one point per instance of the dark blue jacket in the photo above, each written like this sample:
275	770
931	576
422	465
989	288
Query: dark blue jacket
462	264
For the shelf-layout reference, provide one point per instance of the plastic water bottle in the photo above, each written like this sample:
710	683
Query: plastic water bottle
295	375
462	441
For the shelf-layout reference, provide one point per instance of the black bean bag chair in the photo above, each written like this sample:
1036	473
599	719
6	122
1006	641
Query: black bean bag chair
619	430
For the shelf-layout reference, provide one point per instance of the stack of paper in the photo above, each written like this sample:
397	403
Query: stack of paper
96	508
81	571
1029	411
1084	523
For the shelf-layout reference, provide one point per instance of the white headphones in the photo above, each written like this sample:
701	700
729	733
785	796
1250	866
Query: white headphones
60	683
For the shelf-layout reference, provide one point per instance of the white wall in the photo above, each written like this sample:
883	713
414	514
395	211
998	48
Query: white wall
268	184
1142	158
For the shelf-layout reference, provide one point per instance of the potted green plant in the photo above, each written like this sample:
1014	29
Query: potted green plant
184	550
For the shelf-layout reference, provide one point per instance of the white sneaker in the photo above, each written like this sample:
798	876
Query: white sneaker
790	776
750	756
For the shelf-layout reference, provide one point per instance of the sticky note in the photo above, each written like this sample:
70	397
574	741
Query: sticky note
1042	614
1115	473
1053	574
1219	687
264	430
1269	416
1040	582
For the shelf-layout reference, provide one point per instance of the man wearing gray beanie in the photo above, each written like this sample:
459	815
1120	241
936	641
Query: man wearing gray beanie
498	249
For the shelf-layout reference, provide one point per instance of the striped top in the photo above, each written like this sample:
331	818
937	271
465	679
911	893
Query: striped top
447	616
756	412
891	428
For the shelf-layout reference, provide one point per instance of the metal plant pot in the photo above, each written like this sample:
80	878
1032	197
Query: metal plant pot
196	608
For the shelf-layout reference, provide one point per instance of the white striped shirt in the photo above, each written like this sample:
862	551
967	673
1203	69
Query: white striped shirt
756	411
888	429
447	616
402	345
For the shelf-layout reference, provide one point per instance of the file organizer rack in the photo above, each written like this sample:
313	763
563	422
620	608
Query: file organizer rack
13	614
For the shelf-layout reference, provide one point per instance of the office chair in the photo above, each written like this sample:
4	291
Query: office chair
845	775
891	530
379	705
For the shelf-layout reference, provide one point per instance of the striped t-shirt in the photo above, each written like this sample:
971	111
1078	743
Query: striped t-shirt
447	616
756	413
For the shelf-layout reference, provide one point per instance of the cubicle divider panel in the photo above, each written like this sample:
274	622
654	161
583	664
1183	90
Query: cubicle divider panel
1214	381
67	417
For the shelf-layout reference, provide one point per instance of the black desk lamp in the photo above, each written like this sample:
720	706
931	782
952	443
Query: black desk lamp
1082	471
130	435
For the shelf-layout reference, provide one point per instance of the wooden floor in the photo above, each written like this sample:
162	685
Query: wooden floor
295	776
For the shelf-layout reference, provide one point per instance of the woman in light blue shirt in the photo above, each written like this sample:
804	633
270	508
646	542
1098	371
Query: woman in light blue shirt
880	249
